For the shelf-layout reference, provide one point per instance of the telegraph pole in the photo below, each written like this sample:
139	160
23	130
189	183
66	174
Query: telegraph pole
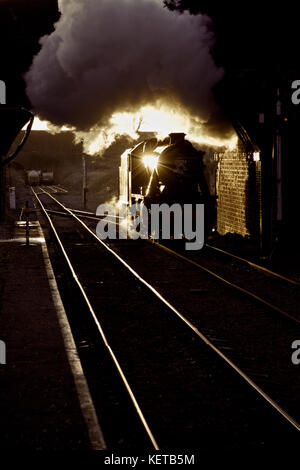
84	181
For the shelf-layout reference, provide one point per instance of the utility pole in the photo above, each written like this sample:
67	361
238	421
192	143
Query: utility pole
84	181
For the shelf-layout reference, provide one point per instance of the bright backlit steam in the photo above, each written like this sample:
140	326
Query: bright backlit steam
40	125
115	67
161	120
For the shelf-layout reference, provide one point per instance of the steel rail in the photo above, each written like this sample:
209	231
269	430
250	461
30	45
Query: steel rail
49	186
95	318
254	265
77	211
59	188
64	214
242	374
54	188
229	283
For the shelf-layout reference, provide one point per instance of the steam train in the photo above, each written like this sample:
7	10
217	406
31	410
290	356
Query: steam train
169	171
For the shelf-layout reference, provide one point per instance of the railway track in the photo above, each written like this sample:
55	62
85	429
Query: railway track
57	189
166	356
224	274
256	334
254	265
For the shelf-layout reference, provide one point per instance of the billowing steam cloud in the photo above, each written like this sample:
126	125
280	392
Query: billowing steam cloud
114	56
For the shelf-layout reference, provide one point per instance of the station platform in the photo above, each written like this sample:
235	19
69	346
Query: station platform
44	398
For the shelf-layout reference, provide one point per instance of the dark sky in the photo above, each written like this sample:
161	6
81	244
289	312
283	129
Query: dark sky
22	23
257	43
251	33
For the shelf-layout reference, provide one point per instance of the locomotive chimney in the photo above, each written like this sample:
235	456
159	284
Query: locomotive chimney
176	137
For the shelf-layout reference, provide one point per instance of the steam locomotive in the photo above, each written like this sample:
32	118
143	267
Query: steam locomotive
166	171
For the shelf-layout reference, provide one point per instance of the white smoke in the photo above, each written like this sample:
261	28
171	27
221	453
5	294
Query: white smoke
114	56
